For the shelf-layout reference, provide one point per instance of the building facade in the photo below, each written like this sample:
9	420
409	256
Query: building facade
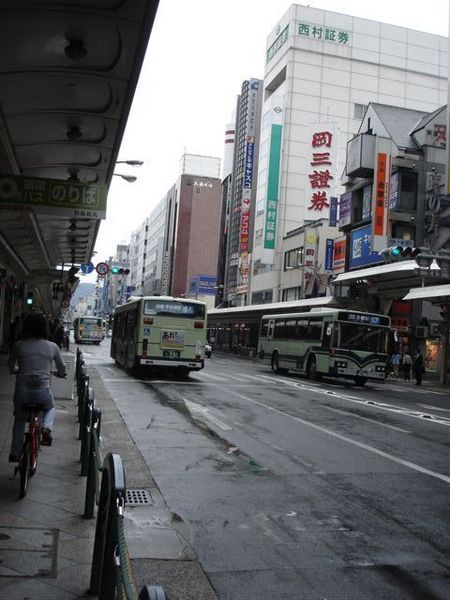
179	240
322	70
243	193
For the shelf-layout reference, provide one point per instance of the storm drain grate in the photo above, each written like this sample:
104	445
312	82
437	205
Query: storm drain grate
138	497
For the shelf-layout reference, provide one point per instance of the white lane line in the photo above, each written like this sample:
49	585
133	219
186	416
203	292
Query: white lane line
349	414
400	461
417	390
213	377
110	370
235	378
206	414
433	407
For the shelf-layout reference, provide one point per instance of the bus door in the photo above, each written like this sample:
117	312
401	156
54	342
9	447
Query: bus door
328	334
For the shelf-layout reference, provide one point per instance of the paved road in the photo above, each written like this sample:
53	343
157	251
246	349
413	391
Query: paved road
298	490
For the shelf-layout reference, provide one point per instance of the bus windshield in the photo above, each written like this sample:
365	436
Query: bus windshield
176	309
362	337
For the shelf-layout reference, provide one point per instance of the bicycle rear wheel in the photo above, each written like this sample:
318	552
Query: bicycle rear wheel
34	451
24	467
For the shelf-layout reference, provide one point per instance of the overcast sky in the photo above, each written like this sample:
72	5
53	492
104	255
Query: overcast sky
198	55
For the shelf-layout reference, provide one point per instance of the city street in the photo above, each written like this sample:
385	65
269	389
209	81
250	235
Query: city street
291	489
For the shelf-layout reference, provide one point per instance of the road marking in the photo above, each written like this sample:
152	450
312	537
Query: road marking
349	414
193	407
213	377
400	461
433	407
235	378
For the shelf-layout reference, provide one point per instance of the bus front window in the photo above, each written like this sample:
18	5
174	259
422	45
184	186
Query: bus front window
362	337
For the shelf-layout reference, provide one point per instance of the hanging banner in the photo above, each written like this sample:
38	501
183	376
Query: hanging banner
332	221
329	252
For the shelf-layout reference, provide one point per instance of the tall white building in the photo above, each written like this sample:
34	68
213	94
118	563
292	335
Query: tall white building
322	69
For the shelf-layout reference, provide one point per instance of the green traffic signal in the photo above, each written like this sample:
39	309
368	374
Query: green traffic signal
114	270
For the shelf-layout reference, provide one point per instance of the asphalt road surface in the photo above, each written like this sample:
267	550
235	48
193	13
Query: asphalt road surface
298	490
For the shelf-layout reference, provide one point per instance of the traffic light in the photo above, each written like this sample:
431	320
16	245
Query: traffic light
30	298
119	271
421	255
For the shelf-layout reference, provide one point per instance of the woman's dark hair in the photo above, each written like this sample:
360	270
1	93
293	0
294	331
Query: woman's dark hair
35	326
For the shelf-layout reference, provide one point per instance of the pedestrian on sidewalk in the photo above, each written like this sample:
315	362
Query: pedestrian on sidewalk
34	355
418	367
407	364
395	362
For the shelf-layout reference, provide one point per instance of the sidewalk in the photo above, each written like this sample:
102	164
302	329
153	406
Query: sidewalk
45	544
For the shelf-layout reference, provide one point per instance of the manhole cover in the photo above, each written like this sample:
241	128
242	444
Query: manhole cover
138	497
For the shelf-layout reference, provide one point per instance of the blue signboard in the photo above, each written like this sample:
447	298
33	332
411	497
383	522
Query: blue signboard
203	285
329	252
361	249
207	284
87	268
333	212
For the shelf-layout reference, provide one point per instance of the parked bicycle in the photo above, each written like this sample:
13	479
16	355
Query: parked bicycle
28	460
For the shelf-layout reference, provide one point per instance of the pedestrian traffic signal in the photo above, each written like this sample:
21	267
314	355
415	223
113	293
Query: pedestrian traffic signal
119	271
30	298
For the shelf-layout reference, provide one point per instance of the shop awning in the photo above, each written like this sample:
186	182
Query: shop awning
433	293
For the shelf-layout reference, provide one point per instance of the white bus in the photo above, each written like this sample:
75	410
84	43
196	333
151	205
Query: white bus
325	341
157	332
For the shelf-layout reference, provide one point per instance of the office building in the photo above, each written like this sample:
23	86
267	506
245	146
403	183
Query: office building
322	70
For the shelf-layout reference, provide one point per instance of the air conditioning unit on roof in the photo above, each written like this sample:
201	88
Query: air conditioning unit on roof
421	331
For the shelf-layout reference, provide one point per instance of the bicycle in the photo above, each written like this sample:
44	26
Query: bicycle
28	460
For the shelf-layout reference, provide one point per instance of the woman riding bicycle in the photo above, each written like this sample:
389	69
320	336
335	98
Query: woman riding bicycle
34	354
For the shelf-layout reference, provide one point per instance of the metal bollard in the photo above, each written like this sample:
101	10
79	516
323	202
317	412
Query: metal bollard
92	471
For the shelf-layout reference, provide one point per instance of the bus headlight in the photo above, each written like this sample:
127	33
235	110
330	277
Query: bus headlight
380	368
341	364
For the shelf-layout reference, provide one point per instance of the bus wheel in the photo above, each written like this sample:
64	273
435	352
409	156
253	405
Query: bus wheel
311	369
361	381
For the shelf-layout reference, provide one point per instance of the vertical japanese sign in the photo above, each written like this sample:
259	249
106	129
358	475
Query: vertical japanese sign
244	244
309	261
322	139
333	212
273	181
329	252
345	209
340	245
381	193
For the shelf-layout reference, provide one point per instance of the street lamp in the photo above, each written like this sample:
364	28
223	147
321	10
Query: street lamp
132	163
128	178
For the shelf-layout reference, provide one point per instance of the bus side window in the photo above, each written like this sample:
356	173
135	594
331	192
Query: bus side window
314	329
279	330
265	329
270	334
302	327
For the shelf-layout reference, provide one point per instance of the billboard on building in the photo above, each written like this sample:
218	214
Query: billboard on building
322	140
345	209
203	285
381	193
339	255
273	180
360	251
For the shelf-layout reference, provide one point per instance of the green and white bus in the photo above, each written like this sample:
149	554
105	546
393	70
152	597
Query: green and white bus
326	341
160	332
88	329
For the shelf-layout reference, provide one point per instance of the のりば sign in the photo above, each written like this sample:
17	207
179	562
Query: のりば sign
322	140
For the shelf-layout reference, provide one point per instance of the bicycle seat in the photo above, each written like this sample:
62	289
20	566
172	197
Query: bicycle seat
34	406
